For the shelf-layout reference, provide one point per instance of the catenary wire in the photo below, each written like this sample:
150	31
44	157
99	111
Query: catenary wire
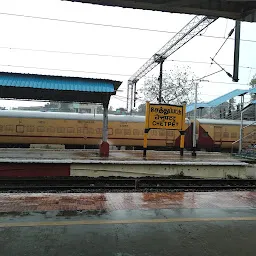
111	56
109	25
102	73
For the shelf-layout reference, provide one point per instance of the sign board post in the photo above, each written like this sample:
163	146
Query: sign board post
145	142
164	116
182	132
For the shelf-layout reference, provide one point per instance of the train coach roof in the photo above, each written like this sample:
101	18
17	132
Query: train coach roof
224	122
69	116
99	117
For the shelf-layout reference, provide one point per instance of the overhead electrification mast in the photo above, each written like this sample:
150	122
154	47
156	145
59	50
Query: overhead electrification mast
193	28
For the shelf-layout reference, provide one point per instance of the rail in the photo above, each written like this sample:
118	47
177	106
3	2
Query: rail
106	184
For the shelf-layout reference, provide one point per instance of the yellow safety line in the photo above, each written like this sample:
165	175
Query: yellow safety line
106	222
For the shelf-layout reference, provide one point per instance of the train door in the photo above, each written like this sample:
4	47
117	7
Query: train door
217	136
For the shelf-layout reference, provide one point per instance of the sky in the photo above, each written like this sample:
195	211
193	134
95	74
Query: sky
66	41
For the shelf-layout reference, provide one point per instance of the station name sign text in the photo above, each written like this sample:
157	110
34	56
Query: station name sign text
165	117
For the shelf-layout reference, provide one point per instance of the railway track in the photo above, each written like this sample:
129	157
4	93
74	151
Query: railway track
120	184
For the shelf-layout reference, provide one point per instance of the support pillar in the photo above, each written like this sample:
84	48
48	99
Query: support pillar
242	102
127	99
160	82
132	89
236	51
194	122
145	143
241	134
182	142
104	147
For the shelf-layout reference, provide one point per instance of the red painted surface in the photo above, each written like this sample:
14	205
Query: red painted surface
204	140
126	201
34	170
188	138
104	149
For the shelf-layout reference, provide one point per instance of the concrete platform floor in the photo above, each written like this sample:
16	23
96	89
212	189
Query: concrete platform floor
73	156
205	223
39	162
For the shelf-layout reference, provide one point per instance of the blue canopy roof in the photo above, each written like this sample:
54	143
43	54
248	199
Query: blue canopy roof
226	97
56	88
219	100
190	107
56	82
252	90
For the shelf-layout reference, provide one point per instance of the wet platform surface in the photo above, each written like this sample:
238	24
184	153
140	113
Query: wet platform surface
125	201
122	224
80	156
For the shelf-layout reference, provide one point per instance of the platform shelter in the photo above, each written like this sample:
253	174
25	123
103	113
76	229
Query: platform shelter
60	88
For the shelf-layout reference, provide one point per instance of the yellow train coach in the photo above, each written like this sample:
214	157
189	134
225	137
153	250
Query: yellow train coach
75	130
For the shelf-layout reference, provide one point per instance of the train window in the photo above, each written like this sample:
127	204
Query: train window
110	131
9	128
50	129
233	134
161	133
70	130
170	133
90	131
61	129
127	132
225	135
81	130
87	110
40	128
99	130
118	131
20	128
1	128
136	132
30	128
154	132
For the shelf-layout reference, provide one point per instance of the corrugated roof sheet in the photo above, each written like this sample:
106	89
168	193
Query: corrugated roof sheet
252	90
57	82
218	101
226	97
190	107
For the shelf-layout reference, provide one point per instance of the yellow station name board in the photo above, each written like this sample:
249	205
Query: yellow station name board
163	116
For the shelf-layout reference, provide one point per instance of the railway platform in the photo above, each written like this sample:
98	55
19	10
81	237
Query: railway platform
58	162
125	224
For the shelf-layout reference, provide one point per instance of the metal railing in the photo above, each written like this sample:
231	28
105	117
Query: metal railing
245	142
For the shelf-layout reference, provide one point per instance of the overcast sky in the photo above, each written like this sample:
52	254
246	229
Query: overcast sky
78	37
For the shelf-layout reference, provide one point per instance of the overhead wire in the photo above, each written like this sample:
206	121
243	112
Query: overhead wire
229	35
102	73
213	58
65	70
109	25
109	55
